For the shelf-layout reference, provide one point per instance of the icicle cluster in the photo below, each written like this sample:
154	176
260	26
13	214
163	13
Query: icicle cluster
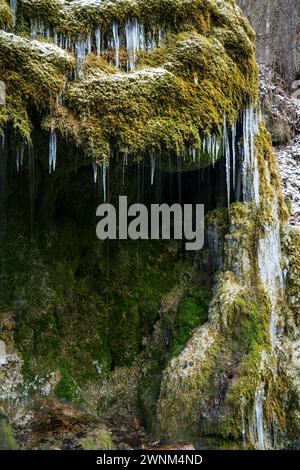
132	37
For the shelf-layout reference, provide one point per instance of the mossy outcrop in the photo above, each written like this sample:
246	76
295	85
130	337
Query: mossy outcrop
171	103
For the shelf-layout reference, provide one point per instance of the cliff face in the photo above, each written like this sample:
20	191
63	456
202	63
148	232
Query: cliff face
157	100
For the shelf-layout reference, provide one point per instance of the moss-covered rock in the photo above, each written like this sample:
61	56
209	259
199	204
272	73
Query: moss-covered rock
33	73
175	98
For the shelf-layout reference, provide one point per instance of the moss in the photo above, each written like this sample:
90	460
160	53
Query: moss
100	439
62	319
66	388
193	312
5	15
160	108
34	75
81	17
270	180
183	309
175	99
7	440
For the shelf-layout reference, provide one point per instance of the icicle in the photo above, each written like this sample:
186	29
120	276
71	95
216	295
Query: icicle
256	194
250	130
37	28
18	160
52	151
152	157
95	172
233	137
259	416
13	7
116	42
270	266
98	41
226	152
243	429
83	47
22	150
104	180
135	41
55	37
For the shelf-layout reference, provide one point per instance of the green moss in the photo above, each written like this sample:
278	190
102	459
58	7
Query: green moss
66	388
193	312
183	309
5	15
7	440
33	73
100	439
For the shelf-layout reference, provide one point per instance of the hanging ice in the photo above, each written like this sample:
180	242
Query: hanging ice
233	139
37	28
270	269
116	42
135	41
152	157
83	47
52	151
95	172
259	416
13	7
243	428
250	130
104	180
98	41
18	160
226	152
